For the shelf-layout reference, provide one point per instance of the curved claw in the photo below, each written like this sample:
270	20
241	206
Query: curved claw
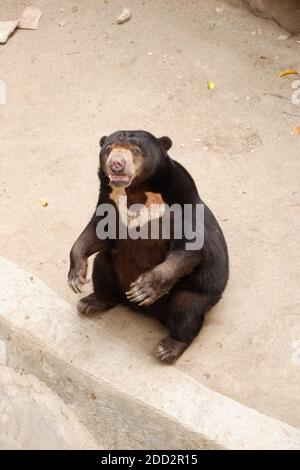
135	283
169	349
147	301
142	297
144	290
136	295
132	292
76	283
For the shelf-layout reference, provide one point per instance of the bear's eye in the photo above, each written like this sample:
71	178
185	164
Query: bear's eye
135	151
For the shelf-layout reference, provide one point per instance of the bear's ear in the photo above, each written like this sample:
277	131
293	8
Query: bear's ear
102	140
165	143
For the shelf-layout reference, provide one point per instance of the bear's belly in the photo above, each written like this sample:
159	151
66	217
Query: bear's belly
132	258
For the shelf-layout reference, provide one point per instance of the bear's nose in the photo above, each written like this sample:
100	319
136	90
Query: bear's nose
117	165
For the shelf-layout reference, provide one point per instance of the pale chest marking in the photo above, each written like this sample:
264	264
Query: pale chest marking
154	208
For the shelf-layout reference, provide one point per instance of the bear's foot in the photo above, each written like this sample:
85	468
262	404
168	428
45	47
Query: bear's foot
169	349
90	305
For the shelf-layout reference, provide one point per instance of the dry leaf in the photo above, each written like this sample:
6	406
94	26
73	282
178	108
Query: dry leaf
286	72
43	202
296	130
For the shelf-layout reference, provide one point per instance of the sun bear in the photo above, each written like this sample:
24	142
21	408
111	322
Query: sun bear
165	272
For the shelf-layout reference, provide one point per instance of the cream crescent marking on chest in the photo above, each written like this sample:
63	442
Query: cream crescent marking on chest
154	204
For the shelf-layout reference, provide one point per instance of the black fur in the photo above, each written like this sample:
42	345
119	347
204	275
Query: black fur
199	277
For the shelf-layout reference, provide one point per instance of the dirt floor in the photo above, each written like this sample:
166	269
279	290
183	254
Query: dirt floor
68	85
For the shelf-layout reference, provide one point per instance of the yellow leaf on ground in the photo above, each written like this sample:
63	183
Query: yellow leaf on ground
296	130
211	85
286	72
43	202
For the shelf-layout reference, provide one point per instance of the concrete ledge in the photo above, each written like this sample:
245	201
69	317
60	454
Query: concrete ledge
123	397
32	417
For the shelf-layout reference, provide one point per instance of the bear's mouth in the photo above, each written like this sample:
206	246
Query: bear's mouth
119	180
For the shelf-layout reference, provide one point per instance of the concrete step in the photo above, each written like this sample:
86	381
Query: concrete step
123	397
33	417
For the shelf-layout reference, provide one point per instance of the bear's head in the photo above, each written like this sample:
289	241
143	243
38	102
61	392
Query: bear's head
131	157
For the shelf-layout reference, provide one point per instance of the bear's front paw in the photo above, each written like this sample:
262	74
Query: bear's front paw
77	277
148	288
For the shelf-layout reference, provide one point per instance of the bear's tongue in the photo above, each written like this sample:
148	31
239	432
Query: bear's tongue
120	178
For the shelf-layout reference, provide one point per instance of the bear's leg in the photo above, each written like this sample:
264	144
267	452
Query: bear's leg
106	287
186	310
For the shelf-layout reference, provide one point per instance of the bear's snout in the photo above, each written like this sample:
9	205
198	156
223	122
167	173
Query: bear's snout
117	164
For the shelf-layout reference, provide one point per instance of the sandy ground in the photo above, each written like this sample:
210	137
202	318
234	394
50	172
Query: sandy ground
69	85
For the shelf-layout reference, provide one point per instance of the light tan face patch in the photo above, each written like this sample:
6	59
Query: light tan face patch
131	155
153	202
129	170
120	152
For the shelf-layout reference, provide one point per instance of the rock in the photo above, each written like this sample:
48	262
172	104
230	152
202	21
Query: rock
124	16
285	12
30	18
64	22
6	29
